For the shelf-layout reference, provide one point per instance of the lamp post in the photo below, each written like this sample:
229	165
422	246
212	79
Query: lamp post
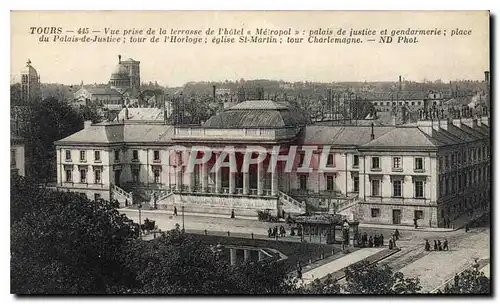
140	230
183	230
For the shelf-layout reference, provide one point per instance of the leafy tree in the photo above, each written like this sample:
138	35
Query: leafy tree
15	94
328	286
365	278
471	281
48	121
177	263
62	243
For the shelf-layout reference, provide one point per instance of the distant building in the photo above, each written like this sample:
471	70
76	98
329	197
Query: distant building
30	84
123	88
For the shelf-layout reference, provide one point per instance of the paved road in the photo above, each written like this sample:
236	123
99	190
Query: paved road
433	268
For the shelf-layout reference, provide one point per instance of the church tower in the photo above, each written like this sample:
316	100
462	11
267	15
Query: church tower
30	84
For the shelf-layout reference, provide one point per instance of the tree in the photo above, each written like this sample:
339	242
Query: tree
178	263
471	281
328	286
366	278
48	121
62	243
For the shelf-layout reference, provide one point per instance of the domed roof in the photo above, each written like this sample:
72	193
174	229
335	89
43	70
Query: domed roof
120	72
264	114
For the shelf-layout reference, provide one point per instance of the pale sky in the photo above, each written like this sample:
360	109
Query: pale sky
446	58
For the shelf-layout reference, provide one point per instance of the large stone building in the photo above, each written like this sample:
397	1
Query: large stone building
432	170
123	87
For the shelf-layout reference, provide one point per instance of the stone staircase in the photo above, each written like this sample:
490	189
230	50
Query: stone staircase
123	197
163	197
291	205
347	207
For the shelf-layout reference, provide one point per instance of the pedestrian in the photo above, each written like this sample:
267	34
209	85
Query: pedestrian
445	245
439	246
391	244
435	245
232	214
284	213
364	239
415	223
175	211
394	241
466	227
381	240
396	234
427	245
476	264
370	241
269	232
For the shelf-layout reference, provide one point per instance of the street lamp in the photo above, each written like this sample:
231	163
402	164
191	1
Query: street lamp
183	230
140	230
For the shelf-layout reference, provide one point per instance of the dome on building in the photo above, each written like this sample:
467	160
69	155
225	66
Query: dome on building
259	114
28	69
120	72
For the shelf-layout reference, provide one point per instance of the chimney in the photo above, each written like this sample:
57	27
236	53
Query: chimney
400	84
487	77
87	124
119	58
373	134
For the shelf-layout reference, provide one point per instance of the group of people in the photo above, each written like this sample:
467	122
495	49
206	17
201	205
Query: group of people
372	241
437	245
277	231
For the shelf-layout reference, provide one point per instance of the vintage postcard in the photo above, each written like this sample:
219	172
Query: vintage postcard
250	152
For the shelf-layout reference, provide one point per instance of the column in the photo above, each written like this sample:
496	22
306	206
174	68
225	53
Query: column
233	255
218	176
178	173
232	182
246	182
190	174
246	255
204	177
260	178
274	181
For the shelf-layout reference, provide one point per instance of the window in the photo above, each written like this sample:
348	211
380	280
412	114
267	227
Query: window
375	162
301	159
331	158
355	161
441	164
97	197
453	160
459	181
117	155
396	188
135	175
135	155
375	212
453	184
396	163
419	214
82	155
412	103
419	189
13	158
303	182
69	177
83	176
156	155
375	187
355	183
68	154
329	182
97	176
459	159
97	156
419	163
156	173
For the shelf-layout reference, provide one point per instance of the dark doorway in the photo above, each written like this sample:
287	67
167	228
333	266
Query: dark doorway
396	216
117	177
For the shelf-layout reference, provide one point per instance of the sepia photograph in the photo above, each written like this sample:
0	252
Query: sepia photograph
250	153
